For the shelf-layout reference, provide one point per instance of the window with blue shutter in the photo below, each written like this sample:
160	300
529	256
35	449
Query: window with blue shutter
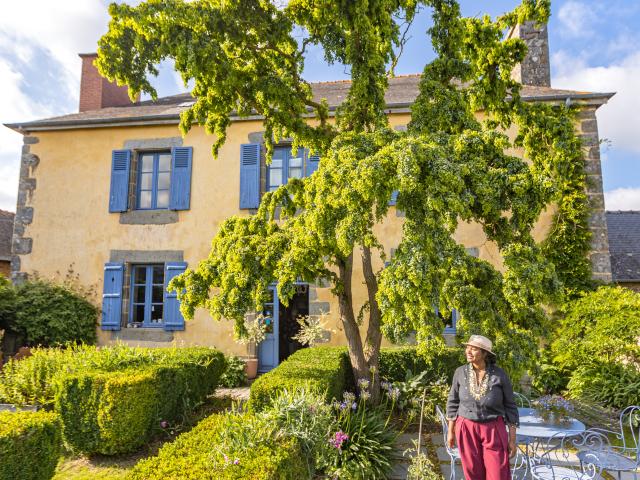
112	296
154	180
249	175
285	164
147	296
173	318
313	162
119	190
181	158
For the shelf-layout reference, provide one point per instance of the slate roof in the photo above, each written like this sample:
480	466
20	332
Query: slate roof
6	232
624	245
402	92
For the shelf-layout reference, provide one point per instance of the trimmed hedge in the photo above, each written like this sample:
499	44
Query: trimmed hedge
326	370
396	362
29	445
226	446
117	412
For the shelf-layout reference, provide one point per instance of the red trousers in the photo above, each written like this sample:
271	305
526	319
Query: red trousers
484	449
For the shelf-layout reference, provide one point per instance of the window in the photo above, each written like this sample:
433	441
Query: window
147	296
154	180
284	165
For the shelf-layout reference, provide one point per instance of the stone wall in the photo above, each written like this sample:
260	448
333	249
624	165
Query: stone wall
535	68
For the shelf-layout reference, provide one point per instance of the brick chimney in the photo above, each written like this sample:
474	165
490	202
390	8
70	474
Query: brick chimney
96	91
535	69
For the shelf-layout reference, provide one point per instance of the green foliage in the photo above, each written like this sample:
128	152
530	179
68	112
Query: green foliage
323	370
306	417
449	167
7	304
610	384
423	468
397	364
210	451
29	445
362	443
234	374
51	314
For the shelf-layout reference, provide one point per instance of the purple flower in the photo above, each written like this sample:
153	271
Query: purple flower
354	405
164	424
343	406
236	461
338	439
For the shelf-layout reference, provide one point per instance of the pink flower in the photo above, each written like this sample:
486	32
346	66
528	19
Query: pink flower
164	424
338	439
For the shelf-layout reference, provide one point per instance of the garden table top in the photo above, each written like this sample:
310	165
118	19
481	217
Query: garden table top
532	425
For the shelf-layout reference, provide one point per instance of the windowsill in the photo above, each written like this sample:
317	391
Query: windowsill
149	217
145	334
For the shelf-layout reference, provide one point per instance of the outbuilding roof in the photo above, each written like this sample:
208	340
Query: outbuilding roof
624	245
401	93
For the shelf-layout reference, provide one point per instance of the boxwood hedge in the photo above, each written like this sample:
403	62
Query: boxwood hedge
29	445
226	446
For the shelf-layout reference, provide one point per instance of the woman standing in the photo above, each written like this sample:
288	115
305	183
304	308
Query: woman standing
480	403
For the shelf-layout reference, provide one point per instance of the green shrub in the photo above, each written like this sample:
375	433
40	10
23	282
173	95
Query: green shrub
7	304
117	412
234	375
398	364
29	445
227	446
52	314
610	384
325	370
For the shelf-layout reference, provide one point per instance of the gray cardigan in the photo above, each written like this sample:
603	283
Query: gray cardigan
497	402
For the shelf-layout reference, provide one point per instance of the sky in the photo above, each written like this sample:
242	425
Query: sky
594	46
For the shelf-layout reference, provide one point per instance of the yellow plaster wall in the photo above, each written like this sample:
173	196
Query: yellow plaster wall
73	228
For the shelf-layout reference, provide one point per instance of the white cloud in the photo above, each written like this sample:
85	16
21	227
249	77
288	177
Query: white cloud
622	199
619	120
576	19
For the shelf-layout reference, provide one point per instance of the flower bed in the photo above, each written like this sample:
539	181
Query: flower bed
29	445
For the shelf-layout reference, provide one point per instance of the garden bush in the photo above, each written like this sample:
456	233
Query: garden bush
117	412
398	364
29	445
325	370
227	446
51	314
7	304
234	374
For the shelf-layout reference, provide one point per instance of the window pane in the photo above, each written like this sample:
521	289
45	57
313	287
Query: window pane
295	162
138	294
146	163
156	313
145	200
145	181
140	274
163	199
275	177
158	274
276	162
138	313
295	172
164	162
157	294
163	181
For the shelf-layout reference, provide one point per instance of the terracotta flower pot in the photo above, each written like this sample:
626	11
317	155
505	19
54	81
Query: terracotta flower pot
251	367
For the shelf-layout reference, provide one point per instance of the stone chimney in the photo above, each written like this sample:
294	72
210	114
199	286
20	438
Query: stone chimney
535	68
96	91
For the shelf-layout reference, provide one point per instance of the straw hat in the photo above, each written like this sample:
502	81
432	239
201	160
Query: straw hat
481	342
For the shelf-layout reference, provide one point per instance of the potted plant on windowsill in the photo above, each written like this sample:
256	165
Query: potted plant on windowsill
251	333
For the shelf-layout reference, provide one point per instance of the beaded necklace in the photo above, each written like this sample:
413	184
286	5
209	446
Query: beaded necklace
477	391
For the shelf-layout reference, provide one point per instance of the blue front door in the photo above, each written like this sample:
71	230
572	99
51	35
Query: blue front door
268	350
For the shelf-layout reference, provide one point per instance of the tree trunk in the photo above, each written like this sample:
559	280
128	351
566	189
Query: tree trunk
354	341
374	333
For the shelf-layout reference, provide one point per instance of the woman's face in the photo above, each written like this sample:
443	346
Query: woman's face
475	354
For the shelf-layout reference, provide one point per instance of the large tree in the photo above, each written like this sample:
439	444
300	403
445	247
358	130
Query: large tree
450	166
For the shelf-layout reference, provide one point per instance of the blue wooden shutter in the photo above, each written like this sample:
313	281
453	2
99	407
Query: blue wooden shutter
394	197
313	162
180	178
173	319
119	192
112	296
249	175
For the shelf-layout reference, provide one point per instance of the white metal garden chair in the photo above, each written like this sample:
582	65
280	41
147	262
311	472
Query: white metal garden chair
452	452
625	457
557	458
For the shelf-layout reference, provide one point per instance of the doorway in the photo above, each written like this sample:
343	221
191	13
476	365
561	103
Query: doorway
289	326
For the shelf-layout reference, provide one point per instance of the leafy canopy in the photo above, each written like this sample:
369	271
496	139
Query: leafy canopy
448	167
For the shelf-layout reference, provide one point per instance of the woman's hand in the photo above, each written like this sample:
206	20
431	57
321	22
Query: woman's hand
451	436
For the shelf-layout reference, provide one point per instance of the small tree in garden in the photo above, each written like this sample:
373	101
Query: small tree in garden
448	167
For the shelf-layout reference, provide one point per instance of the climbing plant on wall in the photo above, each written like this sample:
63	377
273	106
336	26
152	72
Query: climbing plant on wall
448	167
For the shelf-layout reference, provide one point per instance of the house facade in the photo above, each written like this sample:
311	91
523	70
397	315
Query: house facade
117	195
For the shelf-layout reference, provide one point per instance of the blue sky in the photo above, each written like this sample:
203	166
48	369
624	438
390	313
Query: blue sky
595	46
